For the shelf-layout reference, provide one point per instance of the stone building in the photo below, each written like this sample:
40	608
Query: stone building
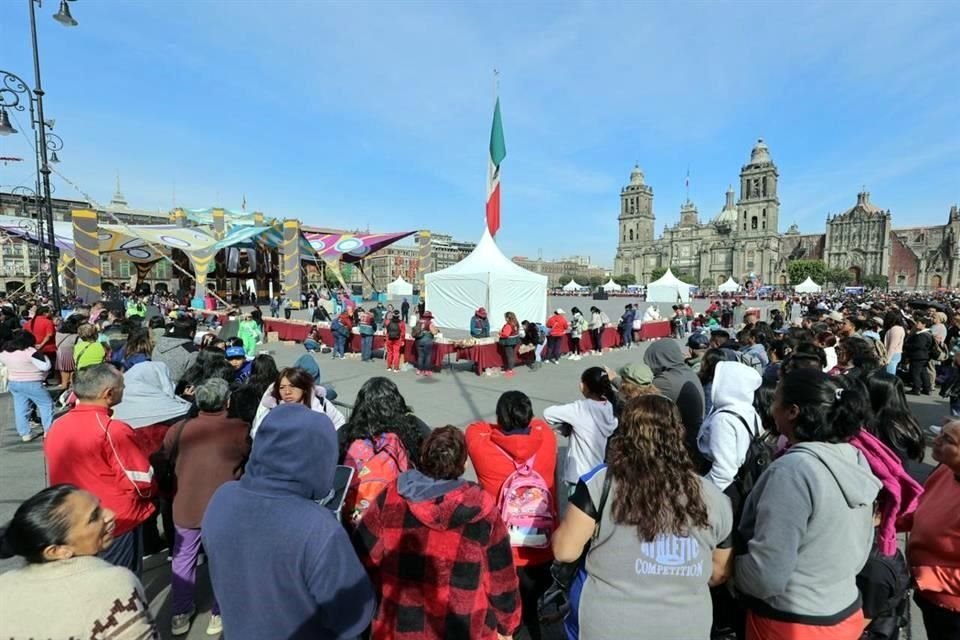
743	240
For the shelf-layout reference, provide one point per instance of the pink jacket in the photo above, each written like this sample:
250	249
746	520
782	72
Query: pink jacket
900	494
23	367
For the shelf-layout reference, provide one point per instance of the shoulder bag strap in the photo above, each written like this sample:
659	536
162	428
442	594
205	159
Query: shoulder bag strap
604	493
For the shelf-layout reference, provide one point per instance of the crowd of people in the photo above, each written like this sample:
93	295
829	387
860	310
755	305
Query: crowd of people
749	481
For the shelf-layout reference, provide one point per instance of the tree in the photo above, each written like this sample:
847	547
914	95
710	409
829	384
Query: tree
875	282
839	276
657	273
567	277
800	270
625	279
707	283
595	281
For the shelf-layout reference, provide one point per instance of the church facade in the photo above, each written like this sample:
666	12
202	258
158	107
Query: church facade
743	240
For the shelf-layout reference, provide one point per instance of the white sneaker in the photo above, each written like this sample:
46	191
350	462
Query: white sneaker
215	626
30	437
180	624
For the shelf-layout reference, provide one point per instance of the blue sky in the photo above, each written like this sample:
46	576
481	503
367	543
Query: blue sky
377	115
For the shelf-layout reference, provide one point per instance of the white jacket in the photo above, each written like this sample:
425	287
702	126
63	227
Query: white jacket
591	423
723	439
319	403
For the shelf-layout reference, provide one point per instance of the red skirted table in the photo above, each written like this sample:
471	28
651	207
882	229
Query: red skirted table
490	355
655	329
286	330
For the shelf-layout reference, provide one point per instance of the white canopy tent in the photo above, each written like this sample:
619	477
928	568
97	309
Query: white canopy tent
485	278
808	286
399	287
730	286
668	289
611	286
573	285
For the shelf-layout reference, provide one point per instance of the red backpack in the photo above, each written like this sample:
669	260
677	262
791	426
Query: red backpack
376	463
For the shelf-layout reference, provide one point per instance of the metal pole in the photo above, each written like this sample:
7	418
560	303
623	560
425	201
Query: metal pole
44	167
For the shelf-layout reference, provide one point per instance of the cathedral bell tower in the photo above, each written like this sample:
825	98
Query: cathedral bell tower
758	207
636	212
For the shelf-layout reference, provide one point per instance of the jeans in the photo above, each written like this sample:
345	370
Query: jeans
509	356
894	361
626	337
366	348
553	347
25	393
597	335
183	582
425	356
311	345
126	551
339	343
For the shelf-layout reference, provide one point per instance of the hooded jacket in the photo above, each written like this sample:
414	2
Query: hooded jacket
148	397
678	382
808	527
724	438
439	556
270	543
591	424
489	447
318	403
177	353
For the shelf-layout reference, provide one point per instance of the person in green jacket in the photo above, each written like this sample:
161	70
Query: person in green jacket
249	332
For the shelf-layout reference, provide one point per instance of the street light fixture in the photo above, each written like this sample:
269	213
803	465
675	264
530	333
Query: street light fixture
5	127
63	15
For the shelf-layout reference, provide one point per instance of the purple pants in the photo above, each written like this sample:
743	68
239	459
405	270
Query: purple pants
186	548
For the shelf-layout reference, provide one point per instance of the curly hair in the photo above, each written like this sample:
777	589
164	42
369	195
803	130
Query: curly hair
649	460
380	408
444	454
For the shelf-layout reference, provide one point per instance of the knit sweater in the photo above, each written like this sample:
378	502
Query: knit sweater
439	555
934	549
23	367
82	597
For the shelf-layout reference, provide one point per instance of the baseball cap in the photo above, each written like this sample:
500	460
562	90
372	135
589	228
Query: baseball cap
560	311
698	341
235	352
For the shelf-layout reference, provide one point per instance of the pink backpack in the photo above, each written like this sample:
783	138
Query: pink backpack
526	506
376	464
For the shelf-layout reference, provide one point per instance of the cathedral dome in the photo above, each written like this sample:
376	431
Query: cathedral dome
636	176
760	153
729	213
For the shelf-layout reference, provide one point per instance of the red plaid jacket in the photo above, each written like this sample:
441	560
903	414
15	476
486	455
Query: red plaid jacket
443	567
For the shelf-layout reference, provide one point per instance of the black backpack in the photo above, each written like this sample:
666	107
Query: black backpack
758	458
393	330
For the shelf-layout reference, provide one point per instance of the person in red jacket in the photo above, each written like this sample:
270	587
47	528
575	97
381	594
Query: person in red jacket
89	449
438	553
509	339
495	450
558	325
45	332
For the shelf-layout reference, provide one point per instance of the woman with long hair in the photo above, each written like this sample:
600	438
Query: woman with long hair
380	408
138	348
588	422
509	339
64	590
655	533
66	339
894	334
263	373
26	370
891	419
295	385
807	524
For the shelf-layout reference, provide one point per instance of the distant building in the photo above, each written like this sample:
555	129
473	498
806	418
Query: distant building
743	240
559	272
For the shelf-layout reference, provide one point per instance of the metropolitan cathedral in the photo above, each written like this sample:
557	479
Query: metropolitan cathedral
743	240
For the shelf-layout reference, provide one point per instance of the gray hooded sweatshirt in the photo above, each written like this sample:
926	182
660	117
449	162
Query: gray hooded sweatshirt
677	381
808	524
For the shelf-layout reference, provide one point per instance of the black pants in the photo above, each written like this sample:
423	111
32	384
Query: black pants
509	356
940	623
597	342
534	581
920	375
575	345
286	313
553	347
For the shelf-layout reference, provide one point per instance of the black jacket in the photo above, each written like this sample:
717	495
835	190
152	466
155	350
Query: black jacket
918	347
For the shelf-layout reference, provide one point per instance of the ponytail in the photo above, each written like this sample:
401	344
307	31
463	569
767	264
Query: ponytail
598	384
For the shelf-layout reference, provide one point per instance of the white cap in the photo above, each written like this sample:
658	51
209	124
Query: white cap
559	310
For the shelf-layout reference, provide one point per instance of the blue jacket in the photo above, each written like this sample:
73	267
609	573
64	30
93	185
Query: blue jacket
281	564
479	327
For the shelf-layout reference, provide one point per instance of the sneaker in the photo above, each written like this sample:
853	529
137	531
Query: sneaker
419	373
30	437
215	626
508	374
428	373
180	624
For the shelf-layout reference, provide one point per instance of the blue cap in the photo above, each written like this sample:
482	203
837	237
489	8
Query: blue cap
236	352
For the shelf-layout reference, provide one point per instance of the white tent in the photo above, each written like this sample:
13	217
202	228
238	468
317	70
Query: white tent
668	289
485	278
808	286
730	286
611	286
573	285
399	287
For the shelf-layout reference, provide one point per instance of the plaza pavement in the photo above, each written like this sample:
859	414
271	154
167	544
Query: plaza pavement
454	396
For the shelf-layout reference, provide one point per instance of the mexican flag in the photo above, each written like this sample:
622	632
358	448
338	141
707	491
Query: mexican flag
498	152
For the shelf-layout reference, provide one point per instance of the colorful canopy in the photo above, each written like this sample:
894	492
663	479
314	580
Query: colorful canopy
351	247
